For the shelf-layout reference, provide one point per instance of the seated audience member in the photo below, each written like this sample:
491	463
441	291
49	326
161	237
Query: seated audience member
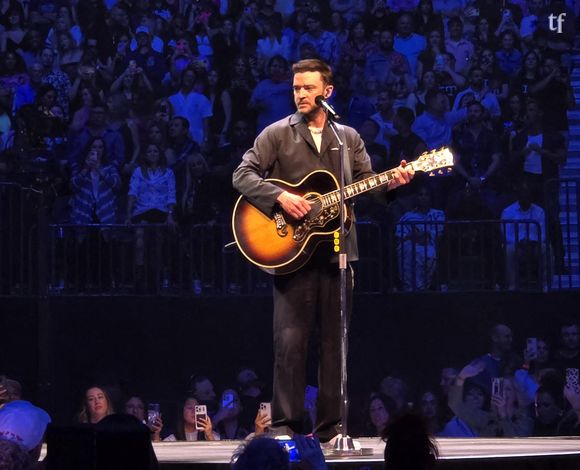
10	390
264	453
435	124
568	354
94	183
97	127
498	357
446	379
549	410
462	49
523	241
418	234
535	366
570	424
507	418
384	118
251	394
226	421
186	427
135	406
410	445
397	389
24	424
429	410
14	457
270	99
260	453
123	444
481	93
475	398
202	389
509	59
188	165
380	412
193	106
96	405
407	42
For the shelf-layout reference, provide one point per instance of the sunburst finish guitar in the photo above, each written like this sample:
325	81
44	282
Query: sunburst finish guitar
279	244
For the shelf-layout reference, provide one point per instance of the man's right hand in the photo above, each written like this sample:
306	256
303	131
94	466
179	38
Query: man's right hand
293	204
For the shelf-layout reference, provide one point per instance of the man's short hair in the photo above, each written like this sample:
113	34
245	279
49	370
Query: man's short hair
314	65
406	115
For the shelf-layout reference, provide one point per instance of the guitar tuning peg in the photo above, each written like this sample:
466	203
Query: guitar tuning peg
431	174
439	172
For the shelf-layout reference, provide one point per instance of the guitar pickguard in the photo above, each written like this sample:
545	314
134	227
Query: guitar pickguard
302	230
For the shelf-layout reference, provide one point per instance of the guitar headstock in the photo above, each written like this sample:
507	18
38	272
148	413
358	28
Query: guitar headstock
435	162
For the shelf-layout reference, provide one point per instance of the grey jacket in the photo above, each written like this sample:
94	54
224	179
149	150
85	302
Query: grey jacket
285	150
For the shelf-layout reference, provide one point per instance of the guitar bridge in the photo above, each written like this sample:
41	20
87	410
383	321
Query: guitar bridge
281	225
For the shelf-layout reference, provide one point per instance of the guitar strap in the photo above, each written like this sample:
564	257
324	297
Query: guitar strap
347	168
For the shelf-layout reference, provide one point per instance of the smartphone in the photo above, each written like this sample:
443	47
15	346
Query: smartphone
532	347
153	413
572	379
290	446
228	400
497	387
200	412
266	410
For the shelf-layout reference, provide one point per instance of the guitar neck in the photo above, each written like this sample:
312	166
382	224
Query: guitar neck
354	189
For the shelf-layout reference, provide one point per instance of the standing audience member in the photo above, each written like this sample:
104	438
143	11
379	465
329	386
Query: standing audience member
193	106
537	155
95	183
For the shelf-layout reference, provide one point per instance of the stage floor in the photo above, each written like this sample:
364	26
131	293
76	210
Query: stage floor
217	454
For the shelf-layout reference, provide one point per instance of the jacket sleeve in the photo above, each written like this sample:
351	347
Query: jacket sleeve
248	178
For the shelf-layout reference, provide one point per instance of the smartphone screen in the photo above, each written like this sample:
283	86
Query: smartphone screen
290	447
228	401
200	412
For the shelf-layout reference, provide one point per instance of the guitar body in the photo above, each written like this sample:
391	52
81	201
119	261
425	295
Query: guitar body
279	244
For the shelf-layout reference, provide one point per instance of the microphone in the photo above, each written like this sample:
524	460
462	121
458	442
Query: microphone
320	101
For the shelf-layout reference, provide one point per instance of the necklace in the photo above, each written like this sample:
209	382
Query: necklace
316	130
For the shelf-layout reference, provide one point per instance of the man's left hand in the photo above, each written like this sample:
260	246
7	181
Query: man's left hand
402	175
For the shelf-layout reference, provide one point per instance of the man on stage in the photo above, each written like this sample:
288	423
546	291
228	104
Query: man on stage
289	150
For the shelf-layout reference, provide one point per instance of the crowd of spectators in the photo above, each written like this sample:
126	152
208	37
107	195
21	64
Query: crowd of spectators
138	111
510	391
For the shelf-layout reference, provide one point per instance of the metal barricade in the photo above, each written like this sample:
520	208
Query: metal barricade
19	247
561	204
468	256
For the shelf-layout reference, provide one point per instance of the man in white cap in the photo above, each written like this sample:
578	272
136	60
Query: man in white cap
25	424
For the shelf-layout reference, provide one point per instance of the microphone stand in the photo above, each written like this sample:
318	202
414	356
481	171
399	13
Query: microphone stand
344	444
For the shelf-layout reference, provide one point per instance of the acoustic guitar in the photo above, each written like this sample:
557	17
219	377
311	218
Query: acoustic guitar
279	244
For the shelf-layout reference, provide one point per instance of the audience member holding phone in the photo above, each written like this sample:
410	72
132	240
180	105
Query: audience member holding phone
506	417
226	420
193	424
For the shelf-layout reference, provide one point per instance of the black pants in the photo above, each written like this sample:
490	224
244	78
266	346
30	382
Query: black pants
306	299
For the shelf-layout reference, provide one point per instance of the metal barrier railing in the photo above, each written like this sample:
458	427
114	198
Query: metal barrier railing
468	256
562	199
60	259
19	208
